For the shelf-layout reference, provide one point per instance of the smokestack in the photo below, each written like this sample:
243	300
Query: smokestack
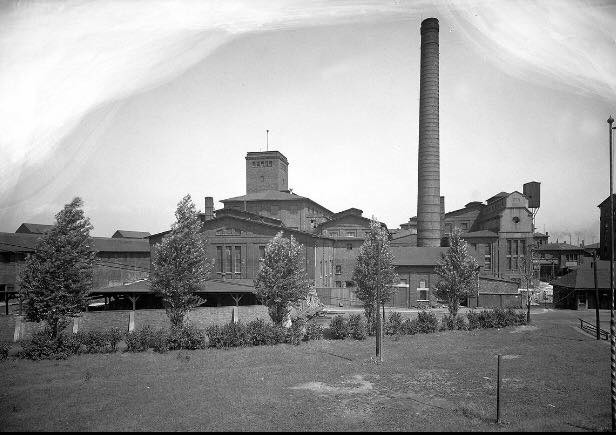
208	211
428	183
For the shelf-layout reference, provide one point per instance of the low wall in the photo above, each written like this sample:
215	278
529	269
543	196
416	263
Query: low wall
14	327
496	300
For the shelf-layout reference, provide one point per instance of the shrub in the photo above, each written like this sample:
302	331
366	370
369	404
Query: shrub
228	335
339	327
357	326
187	337
259	332
448	322
393	326
114	336
5	346
96	341
496	318
426	322
43	345
473	320
314	332
409	327
297	331
140	340
159	340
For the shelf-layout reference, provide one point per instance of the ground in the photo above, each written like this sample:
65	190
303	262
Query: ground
554	377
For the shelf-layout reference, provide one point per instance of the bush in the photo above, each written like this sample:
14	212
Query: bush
43	346
96	341
159	340
297	331
187	337
357	326
228	335
114	336
339	327
314	332
260	333
393	326
5	346
140	340
451	323
426	322
496	318
409	327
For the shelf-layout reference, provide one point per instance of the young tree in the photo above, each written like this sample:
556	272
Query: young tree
282	281
374	267
527	273
180	264
56	278
457	271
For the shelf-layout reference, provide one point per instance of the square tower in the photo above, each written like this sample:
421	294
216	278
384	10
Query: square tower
266	170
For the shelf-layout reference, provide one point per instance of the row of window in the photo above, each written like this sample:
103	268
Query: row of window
341	233
229	260
262	164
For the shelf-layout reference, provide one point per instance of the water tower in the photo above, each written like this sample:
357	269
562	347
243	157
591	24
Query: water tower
532	190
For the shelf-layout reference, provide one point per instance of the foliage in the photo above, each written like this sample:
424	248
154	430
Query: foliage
449	322
56	278
527	274
358	327
139	340
45	345
281	280
496	318
457	271
179	263
314	331
426	322
254	333
5	347
297	331
339	327
159	340
374	268
188	337
409	327
394	324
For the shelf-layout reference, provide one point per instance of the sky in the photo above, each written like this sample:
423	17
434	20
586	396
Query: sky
133	104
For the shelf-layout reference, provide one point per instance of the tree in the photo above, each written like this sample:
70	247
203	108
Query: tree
281	281
527	273
180	264
374	267
457	271
56	278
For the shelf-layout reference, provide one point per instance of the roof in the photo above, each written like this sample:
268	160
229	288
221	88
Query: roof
18	242
497	196
210	286
558	247
348	212
125	234
606	199
27	228
540	235
246	215
583	277
593	246
400	233
416	256
272	195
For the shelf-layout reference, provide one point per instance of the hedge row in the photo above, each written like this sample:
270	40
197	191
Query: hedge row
426	322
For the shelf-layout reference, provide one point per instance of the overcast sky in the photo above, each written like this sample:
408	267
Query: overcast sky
132	104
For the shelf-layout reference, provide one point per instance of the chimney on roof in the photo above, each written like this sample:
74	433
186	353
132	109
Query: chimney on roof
208	211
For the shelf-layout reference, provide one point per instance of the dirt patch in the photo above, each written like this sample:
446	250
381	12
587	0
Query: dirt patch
356	385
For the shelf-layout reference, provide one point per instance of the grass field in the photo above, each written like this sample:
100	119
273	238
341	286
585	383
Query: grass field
554	377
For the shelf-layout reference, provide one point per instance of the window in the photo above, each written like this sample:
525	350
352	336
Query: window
262	178
350	233
515	253
422	291
219	257
269	163
404	281
487	257
422	284
350	284
333	233
228	258
338	269
339	284
465	225
261	253
238	259
349	246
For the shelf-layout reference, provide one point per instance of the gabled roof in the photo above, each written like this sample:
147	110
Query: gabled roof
11	242
348	212
125	234
497	196
272	195
583	277
558	247
400	233
607	199
247	215
27	228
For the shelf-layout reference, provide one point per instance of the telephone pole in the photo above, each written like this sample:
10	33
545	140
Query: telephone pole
379	326
610	121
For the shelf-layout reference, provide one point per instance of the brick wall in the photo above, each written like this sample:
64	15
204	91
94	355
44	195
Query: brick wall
202	317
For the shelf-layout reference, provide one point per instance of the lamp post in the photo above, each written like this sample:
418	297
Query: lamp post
610	121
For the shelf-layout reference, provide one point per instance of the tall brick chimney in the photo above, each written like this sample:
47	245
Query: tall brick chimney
208	211
428	178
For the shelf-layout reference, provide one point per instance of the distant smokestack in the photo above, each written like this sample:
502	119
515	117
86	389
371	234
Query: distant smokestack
428	183
208	212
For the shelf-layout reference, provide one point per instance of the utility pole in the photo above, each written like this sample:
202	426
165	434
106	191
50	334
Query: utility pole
594	266
610	121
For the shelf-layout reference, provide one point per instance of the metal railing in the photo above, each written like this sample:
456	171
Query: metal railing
589	327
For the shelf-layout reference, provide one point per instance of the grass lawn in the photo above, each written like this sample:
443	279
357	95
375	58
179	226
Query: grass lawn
554	377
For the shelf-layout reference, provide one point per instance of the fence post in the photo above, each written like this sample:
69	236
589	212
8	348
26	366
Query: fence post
498	382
